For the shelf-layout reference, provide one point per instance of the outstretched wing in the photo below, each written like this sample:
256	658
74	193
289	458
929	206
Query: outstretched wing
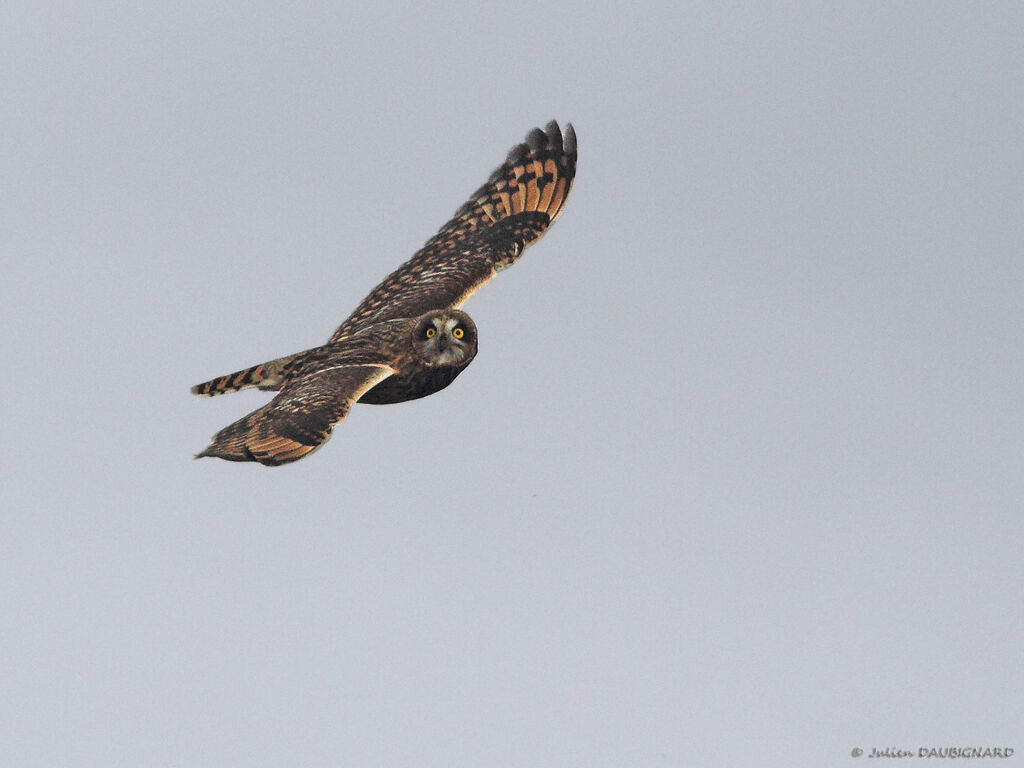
518	203
299	419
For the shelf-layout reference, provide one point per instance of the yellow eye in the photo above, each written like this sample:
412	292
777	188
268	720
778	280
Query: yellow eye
431	332
458	333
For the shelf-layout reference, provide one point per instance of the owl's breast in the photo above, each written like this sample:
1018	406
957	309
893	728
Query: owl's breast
412	386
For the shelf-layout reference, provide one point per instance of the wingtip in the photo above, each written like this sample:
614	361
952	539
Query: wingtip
554	134
562	141
214	454
569	141
537	139
550	137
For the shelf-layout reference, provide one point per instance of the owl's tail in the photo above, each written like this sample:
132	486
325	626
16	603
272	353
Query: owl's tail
267	376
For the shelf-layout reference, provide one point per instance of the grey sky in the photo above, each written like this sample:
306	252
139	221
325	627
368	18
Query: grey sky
735	479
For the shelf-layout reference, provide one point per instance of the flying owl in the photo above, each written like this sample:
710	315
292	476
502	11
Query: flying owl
408	338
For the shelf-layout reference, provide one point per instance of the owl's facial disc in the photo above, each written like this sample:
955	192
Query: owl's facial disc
444	341
445	338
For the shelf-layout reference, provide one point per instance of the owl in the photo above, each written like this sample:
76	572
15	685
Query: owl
408	338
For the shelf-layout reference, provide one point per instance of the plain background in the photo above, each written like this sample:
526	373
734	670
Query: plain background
736	478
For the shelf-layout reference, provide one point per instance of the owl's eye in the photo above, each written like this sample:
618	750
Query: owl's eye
458	333
431	332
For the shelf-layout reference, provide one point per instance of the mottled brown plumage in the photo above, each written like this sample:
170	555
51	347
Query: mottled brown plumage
318	386
515	207
510	211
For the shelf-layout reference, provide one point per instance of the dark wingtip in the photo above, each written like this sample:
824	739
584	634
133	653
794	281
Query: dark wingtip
211	453
554	135
569	143
551	137
537	139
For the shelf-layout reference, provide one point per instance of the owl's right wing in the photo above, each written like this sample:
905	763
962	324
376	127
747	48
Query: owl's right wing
520	200
300	418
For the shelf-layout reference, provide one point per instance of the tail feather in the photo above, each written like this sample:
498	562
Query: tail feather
267	376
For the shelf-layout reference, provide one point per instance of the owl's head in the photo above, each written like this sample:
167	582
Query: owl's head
445	337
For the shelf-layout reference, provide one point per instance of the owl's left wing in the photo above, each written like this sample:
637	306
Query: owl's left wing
300	418
516	205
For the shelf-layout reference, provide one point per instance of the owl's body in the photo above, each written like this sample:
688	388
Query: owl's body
371	357
318	386
412	386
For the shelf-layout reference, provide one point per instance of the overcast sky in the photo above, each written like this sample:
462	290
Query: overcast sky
736	478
